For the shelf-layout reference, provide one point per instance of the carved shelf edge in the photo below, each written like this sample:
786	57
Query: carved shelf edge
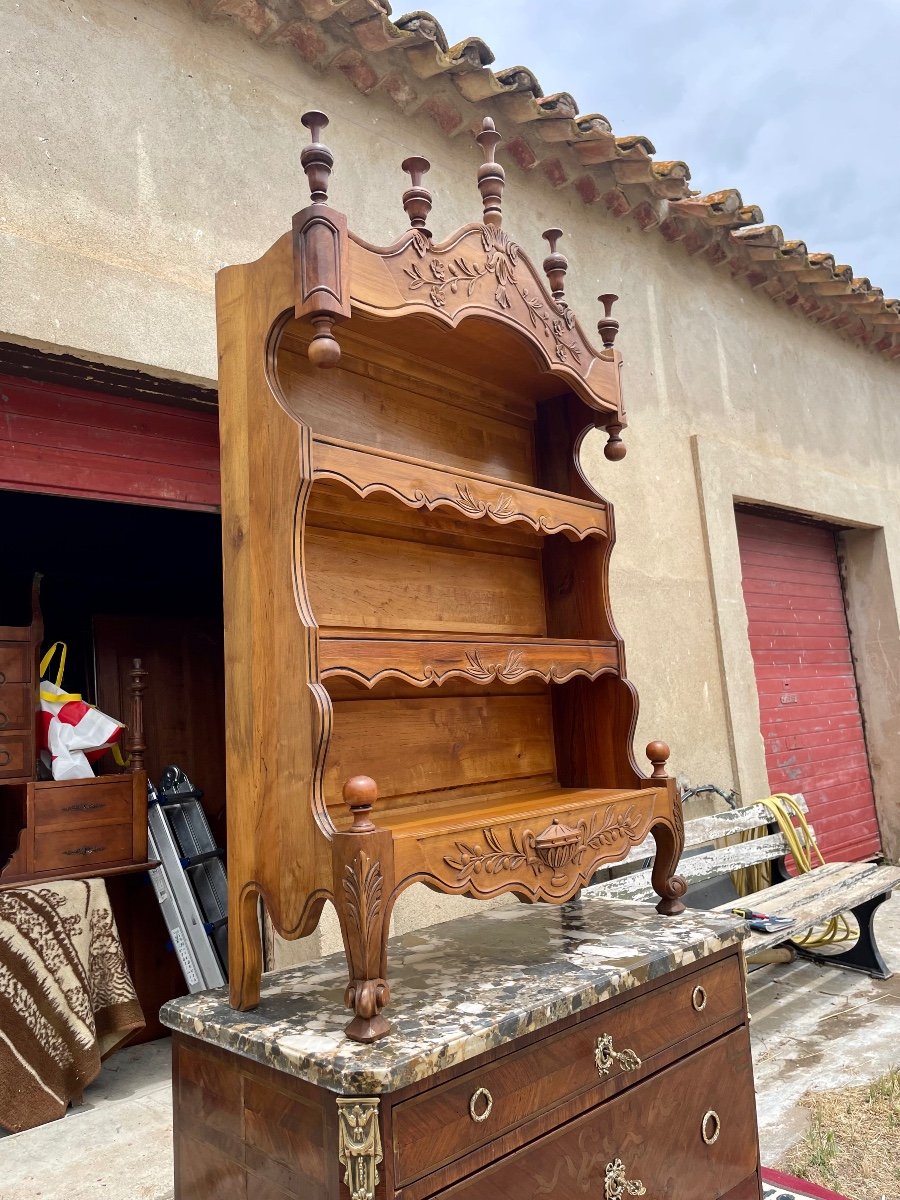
547	855
427	663
480	269
421	485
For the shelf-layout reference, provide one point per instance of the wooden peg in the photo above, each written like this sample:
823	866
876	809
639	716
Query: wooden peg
316	159
491	176
136	742
607	326
417	199
658	753
555	265
360	794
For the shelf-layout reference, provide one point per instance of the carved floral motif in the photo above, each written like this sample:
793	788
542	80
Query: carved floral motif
558	847
443	276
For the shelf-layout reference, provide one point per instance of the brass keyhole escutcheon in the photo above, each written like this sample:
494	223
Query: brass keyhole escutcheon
481	1095
710	1127
615	1184
606	1054
698	998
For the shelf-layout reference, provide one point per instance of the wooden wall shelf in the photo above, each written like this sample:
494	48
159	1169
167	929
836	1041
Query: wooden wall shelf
416	585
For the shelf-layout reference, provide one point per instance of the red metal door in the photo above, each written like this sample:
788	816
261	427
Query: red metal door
70	442
808	698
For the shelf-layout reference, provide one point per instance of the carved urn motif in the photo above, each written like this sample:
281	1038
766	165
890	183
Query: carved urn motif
556	847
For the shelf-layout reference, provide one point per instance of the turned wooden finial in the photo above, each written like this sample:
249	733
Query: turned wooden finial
607	326
316	159
491	176
658	753
136	744
360	794
555	265
417	199
615	449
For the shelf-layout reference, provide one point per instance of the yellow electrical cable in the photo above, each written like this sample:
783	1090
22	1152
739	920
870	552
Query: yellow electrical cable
803	846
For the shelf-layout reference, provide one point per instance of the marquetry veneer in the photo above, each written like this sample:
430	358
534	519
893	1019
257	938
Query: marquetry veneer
416	584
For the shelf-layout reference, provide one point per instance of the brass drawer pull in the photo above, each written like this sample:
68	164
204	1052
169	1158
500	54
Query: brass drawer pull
485	1095
84	851
605	1056
616	1185
710	1127
4	719
2	678
86	807
698	998
5	756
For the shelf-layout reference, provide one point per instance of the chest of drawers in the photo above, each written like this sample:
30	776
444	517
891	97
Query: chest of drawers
641	1078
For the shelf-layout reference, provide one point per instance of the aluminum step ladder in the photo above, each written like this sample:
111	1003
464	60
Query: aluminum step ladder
190	882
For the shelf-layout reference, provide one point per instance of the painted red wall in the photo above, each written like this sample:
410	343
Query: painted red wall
70	442
808	698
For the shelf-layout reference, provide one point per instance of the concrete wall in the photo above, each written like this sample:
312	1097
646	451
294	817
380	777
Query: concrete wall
144	149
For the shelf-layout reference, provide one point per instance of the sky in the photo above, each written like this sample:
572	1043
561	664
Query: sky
792	102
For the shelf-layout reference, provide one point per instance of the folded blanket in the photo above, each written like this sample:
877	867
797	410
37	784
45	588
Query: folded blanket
66	998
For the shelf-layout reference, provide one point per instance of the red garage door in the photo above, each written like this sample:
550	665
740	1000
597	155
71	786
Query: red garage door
808	700
70	442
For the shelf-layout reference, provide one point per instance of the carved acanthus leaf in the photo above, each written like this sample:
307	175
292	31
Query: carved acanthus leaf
364	887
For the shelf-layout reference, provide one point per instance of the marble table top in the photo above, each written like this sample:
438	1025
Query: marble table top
457	990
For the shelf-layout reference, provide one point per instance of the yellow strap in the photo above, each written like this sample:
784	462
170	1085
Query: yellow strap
56	697
45	661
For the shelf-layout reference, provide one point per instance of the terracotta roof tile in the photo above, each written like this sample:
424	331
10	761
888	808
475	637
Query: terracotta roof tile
410	60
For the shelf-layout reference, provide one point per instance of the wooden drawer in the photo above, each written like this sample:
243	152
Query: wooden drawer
437	1127
80	803
75	849
16	707
14	666
14	750
659	1132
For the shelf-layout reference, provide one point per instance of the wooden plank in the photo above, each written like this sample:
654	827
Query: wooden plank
812	898
697	868
434	742
427	485
426	662
388	583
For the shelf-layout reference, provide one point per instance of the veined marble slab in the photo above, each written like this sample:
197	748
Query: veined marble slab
457	990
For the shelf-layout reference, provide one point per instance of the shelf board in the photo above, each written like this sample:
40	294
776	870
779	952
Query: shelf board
425	660
420	484
474	813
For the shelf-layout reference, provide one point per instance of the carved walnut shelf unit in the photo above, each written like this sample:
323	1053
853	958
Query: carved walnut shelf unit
416	584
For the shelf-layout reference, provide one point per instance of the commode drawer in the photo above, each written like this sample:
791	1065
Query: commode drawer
16	707
13	663
595	1058
78	848
14	749
689	1133
83	802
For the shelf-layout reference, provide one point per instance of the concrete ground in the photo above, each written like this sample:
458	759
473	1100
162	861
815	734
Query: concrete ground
812	1027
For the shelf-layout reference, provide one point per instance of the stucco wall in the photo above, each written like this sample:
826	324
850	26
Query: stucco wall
145	148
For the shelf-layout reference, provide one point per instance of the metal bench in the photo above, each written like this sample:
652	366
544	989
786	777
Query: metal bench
858	888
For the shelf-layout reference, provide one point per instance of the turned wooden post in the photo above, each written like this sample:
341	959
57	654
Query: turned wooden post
320	251
491	176
417	199
363	882
669	838
136	744
555	265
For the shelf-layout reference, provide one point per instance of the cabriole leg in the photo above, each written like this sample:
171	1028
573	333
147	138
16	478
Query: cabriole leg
363	865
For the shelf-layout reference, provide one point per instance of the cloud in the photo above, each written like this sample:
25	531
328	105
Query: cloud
790	101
